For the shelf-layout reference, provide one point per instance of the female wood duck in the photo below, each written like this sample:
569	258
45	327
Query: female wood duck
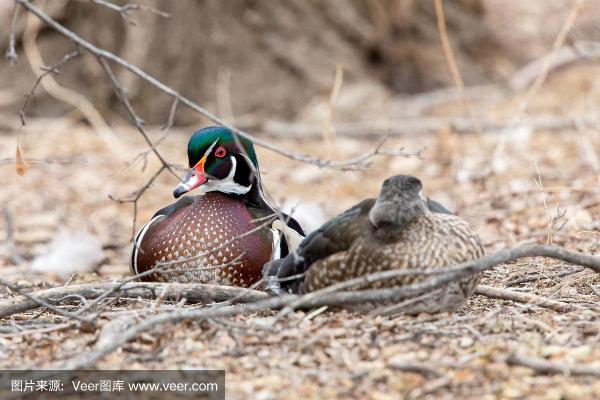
399	229
227	233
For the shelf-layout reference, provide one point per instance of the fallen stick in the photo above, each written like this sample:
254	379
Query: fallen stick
542	366
328	296
335	295
519	297
192	292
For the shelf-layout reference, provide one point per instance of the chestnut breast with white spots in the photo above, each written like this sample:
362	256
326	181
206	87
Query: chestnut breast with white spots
207	241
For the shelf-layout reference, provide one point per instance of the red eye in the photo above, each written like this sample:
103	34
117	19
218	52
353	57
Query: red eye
220	152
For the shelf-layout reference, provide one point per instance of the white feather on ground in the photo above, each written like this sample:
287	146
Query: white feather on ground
69	253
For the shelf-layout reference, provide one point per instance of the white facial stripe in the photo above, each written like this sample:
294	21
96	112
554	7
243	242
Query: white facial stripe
227	184
207	152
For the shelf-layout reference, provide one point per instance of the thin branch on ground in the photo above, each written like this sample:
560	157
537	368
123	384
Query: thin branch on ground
556	221
43	303
546	367
156	269
441	276
527	298
325	297
532	278
192	292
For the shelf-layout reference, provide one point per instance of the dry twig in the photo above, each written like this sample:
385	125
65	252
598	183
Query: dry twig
126	10
458	81
11	53
106	55
192	292
528	298
53	69
43	303
542	366
326	297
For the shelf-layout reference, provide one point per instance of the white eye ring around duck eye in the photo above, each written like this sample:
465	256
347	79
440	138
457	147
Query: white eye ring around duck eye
220	152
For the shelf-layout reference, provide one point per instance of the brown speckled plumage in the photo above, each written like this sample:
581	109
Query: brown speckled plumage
429	241
399	230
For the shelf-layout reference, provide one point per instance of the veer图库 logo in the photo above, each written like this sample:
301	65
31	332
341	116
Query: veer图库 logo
130	384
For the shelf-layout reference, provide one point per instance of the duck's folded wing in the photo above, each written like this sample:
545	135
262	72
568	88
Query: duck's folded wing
334	236
436	207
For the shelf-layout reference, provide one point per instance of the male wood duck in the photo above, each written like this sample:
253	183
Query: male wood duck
227	233
398	230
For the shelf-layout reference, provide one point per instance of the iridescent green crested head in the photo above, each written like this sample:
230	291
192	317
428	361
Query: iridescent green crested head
219	162
203	139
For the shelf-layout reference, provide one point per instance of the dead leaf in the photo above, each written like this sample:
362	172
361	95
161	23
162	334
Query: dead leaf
20	165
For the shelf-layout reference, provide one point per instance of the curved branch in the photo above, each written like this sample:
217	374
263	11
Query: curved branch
104	54
192	292
342	298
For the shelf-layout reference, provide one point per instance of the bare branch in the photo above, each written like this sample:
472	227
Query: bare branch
53	69
326	297
137	121
106	55
542	366
126	10
43	303
458	81
441	276
192	292
530	278
541	76
581	50
11	53
528	298
417	125
135	197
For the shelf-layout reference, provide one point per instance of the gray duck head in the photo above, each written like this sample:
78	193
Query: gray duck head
399	202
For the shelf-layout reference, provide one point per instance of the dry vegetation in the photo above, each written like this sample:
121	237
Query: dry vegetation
542	185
